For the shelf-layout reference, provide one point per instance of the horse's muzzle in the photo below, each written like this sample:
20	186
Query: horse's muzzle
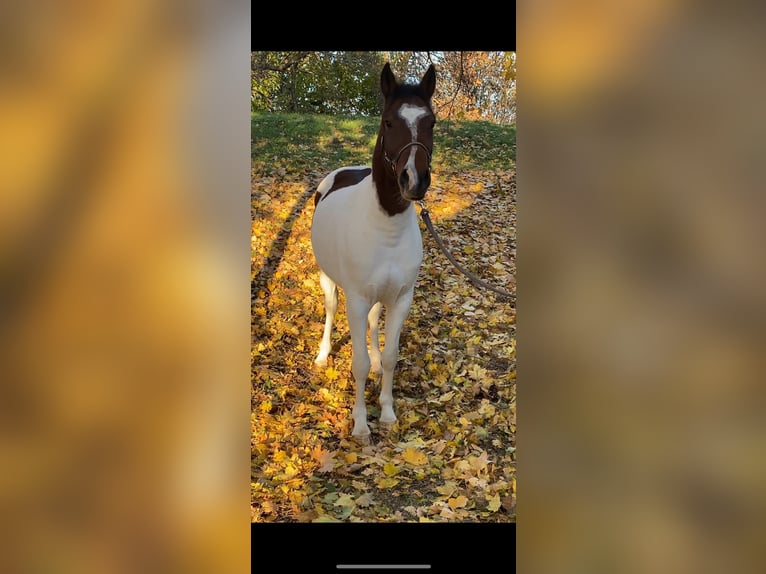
415	192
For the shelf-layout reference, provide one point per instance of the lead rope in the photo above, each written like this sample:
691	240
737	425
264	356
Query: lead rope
473	278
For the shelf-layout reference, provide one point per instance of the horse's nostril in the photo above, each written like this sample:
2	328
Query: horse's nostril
404	179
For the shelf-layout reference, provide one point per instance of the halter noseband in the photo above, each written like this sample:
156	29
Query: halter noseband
393	162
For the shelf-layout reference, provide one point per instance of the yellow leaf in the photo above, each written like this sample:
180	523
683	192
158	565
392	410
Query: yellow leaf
457	502
387	482
331	373
326	459
344	500
290	470
414	456
447	489
479	462
494	503
350	457
390	469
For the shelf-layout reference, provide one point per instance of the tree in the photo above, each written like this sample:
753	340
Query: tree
471	85
316	82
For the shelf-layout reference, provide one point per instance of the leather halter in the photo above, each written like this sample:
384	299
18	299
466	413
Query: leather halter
393	162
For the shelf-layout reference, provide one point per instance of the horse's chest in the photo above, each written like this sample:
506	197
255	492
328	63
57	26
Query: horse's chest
379	258
391	262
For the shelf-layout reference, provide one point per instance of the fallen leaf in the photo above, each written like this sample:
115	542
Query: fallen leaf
387	482
326	461
325	518
447	488
344	500
494	503
414	456
364	500
331	373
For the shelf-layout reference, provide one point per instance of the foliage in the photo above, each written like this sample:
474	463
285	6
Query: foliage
452	455
471	85
316	82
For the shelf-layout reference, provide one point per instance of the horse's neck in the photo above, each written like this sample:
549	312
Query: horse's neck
389	197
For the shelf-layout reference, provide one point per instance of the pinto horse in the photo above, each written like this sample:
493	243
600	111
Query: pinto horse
367	241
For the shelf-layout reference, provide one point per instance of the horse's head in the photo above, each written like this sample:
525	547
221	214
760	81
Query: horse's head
406	131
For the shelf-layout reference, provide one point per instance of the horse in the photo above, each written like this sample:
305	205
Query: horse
366	239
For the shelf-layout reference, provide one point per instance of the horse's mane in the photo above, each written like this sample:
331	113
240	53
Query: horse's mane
406	90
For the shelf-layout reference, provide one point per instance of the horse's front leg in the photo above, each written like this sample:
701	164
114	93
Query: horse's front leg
357	309
396	314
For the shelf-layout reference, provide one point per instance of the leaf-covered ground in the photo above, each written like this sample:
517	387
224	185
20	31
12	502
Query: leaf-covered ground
451	456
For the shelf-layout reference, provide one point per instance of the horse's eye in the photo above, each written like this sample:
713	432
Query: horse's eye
388	123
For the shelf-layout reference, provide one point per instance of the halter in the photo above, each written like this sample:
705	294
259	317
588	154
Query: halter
393	162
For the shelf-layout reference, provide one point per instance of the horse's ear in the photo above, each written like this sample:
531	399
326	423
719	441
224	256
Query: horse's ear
387	81
428	83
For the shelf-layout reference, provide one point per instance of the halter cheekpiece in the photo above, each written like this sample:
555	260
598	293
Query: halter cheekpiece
393	162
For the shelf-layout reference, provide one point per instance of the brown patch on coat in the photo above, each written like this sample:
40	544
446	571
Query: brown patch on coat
346	178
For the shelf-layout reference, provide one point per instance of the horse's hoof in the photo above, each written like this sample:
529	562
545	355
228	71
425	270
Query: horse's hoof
364	439
361	432
387	416
388	429
320	363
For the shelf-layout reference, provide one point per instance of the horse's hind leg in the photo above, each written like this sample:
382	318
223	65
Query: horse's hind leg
372	320
331	306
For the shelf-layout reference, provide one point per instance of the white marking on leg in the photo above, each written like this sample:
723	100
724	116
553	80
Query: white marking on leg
357	310
395	317
372	320
331	306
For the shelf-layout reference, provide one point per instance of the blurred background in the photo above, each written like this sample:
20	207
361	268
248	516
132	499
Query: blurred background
124	261
641	287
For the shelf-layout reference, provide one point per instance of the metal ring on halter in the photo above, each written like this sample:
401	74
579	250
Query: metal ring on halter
393	163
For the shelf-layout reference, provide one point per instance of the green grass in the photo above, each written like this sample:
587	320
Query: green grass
299	143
